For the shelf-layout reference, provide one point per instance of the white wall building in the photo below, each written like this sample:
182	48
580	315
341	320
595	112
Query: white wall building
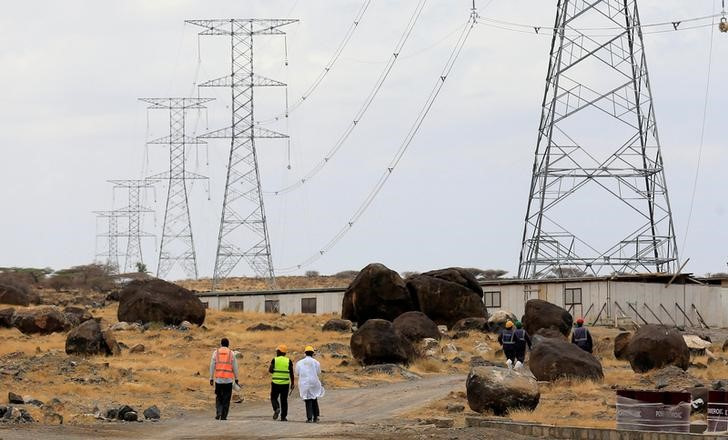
652	298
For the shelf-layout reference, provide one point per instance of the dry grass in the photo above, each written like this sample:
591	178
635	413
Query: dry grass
428	365
173	371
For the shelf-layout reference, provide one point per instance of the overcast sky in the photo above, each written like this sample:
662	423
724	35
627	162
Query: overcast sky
72	72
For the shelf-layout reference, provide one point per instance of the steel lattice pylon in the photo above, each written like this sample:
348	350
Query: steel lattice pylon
133	211
243	200
598	155
111	254
177	244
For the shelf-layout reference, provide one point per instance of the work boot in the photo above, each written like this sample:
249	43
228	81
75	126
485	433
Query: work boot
309	421
283	419
315	420
275	413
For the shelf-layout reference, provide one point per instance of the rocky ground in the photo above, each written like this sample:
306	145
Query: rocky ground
167	367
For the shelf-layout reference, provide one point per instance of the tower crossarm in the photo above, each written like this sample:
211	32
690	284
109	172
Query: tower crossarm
252	26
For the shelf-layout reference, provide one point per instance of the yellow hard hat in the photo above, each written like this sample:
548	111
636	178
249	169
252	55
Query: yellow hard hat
308	348
282	348
509	324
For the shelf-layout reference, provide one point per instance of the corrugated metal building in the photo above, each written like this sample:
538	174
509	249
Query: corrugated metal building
317	301
652	298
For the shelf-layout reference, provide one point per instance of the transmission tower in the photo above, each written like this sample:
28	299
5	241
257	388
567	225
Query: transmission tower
243	200
134	212
598	152
177	244
110	256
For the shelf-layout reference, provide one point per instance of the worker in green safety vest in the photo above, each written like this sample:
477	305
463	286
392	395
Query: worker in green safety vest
282	383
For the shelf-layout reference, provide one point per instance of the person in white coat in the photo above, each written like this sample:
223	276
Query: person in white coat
308	371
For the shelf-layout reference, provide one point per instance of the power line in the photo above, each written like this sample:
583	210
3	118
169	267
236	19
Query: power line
675	24
327	68
702	134
363	110
387	173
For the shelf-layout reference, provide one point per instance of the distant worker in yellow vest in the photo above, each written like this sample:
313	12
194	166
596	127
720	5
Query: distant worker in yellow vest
282	383
223	372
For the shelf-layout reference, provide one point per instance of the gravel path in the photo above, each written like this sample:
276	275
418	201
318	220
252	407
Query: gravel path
362	413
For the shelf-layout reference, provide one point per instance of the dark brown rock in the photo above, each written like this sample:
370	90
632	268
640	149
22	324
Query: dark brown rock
724	348
542	314
655	346
376	292
499	390
457	275
555	358
378	342
89	339
620	345
42	320
159	301
262	327
18	295
337	325
416	326
478	324
447	295
76	315
6	317
550	333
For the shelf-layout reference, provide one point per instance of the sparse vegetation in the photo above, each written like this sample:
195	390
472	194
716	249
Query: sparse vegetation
486	274
312	274
96	277
346	274
27	275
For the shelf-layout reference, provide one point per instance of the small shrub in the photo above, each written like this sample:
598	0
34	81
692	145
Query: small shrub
346	274
312	274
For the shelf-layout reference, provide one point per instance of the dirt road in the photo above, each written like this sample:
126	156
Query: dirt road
362	413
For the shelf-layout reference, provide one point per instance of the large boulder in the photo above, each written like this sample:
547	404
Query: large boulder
416	326
498	390
542	314
554	358
337	325
42	320
18	295
76	315
497	320
655	346
6	317
466	324
620	345
376	292
379	342
89	339
447	295
159	301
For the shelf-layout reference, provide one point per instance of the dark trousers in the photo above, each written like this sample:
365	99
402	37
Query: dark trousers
312	409
223	393
279	391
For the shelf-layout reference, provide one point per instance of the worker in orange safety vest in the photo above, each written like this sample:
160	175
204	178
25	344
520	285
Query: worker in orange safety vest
223	372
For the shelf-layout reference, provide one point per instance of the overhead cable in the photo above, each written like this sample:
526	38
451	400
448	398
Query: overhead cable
362	110
407	141
327	68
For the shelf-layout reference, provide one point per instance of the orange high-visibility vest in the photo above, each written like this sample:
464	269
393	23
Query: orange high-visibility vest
224	364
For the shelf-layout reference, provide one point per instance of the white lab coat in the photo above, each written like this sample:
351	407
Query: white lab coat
308	371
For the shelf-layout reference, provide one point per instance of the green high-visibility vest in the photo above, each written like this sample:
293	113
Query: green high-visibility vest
281	372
